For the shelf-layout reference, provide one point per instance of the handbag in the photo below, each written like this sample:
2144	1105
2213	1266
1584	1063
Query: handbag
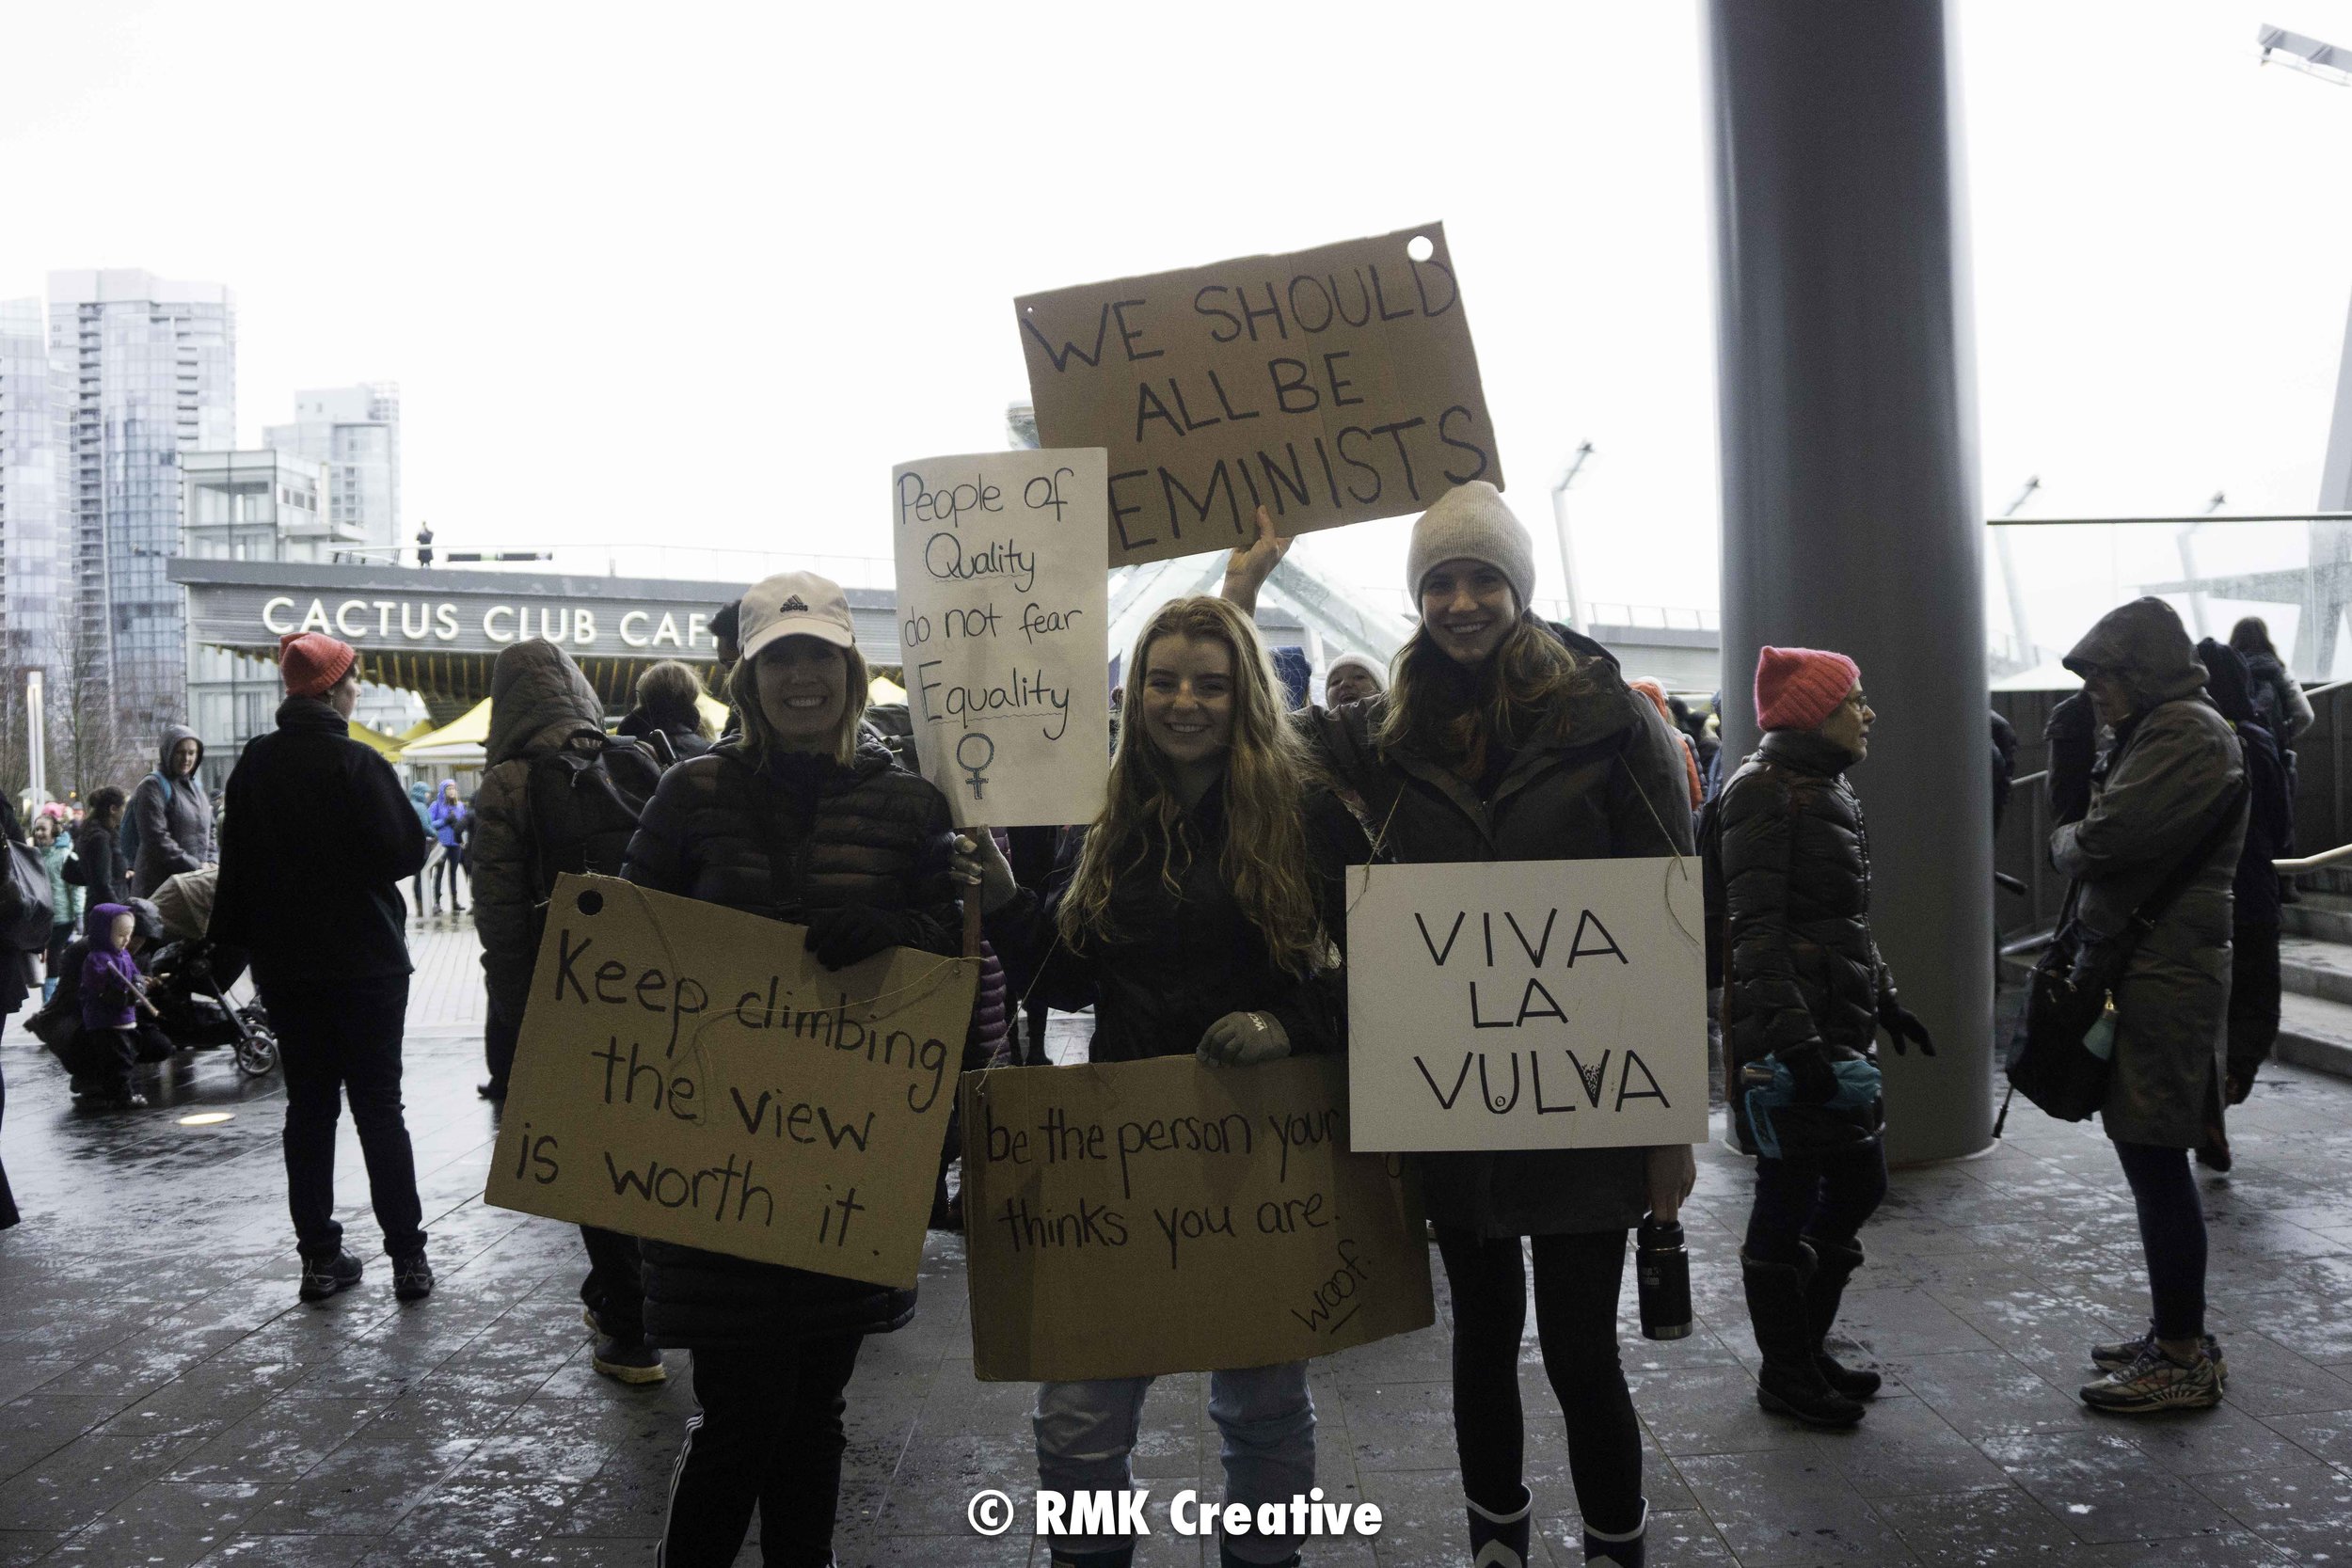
2063	1048
24	908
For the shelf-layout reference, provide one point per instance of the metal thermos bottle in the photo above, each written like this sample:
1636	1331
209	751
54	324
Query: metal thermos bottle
1661	1269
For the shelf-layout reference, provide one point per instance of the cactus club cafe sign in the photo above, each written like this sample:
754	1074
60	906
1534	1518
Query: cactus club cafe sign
423	621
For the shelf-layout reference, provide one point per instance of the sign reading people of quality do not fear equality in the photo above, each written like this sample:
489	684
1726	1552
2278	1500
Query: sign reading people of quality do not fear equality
1329	386
1003	625
1527	1005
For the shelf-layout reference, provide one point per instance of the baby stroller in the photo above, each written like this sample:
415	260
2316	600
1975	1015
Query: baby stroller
189	977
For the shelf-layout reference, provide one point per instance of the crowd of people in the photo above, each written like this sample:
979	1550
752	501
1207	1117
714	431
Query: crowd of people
1202	913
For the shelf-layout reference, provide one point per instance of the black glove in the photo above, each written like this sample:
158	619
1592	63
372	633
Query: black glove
1901	1024
845	936
1816	1081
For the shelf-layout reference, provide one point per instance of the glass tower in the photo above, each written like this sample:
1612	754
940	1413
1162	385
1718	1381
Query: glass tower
354	432
31	552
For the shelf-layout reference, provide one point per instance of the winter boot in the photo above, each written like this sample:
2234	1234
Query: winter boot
1833	1263
1500	1540
1789	1384
1621	1551
325	1275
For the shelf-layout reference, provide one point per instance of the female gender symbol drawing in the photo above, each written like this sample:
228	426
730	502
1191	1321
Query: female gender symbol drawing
974	767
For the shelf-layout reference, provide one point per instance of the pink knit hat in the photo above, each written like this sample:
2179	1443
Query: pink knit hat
1796	688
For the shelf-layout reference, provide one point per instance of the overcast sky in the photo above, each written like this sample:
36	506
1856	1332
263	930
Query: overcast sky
703	273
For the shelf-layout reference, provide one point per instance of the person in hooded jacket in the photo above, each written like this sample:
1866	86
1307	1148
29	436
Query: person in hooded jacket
1804	993
1503	738
799	818
2254	982
667	700
2280	701
2172	780
452	825
175	815
420	796
1197	919
319	835
541	706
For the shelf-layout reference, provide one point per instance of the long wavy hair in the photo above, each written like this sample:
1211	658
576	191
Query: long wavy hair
1529	674
1266	775
760	742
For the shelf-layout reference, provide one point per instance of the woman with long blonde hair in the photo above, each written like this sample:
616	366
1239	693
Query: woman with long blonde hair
1503	738
1201	917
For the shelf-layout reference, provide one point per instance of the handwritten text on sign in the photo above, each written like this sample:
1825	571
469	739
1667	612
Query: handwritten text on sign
1112	1210
1329	386
1526	1004
688	1073
1004	627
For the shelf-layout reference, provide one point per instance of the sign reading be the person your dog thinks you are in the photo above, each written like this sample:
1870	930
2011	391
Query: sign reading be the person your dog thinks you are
1329	386
687	1072
1527	1005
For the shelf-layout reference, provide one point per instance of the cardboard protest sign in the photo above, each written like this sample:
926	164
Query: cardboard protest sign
687	1072
1331	386
1004	620
1165	1217
1527	1005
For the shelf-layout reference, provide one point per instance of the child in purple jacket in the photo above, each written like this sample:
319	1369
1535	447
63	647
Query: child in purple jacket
113	989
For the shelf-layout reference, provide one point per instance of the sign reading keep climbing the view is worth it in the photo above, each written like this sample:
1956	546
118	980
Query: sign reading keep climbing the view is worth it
1003	625
1526	1004
688	1073
1329	386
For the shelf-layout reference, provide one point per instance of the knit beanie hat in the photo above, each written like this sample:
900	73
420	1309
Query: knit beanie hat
1472	523
312	661
1358	661
1796	688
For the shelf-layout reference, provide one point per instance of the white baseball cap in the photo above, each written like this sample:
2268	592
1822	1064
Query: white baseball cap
794	603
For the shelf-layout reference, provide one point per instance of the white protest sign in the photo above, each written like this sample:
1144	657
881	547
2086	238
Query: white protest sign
1526	1004
1004	610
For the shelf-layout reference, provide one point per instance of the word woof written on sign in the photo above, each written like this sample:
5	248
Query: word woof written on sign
415	621
687	1072
1004	626
1527	1005
1110	1208
1329	386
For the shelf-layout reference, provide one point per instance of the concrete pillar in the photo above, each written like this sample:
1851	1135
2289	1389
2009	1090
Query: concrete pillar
1851	513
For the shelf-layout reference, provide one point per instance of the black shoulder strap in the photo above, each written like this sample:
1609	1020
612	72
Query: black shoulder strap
2175	882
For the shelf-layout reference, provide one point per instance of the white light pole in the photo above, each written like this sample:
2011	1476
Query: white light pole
1574	617
36	737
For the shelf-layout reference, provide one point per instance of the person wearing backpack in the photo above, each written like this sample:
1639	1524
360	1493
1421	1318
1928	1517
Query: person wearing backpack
169	829
559	795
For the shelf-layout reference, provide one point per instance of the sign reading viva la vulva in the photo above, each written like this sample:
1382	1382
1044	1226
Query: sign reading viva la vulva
1526	1004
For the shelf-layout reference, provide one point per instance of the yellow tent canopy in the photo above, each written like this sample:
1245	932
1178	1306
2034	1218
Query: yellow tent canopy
884	689
469	729
384	746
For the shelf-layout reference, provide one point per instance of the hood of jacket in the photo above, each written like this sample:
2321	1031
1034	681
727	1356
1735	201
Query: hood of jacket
537	697
173	734
420	793
2226	681
2147	648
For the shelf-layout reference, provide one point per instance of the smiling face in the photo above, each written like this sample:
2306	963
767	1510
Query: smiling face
804	690
1468	609
1349	683
184	757
1187	700
1848	725
44	832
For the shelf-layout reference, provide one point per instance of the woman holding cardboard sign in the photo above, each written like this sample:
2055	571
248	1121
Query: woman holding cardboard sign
1198	918
1505	737
802	818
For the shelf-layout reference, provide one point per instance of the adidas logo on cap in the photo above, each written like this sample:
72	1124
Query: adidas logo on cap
793	606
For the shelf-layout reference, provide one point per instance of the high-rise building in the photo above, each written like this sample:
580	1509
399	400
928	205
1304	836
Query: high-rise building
148	368
32	575
354	432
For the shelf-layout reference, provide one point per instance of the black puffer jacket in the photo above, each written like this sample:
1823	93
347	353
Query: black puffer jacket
869	836
1602	777
1173	962
1789	926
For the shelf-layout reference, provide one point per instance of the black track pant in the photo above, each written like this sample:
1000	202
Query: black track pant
768	1436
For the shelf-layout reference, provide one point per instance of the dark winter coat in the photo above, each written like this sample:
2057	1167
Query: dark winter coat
2270	812
2175	766
684	730
1166	964
98	862
2072	733
16	969
2280	701
871	835
1600	778
1789	927
175	819
319	833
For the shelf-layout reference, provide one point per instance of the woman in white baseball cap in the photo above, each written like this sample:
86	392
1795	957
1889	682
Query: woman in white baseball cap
800	818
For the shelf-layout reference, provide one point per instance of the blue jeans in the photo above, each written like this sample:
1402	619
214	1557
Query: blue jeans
1085	1433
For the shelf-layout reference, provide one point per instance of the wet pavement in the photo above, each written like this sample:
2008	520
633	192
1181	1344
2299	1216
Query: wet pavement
164	1399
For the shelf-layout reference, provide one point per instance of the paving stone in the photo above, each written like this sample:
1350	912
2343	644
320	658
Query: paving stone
1790	1506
